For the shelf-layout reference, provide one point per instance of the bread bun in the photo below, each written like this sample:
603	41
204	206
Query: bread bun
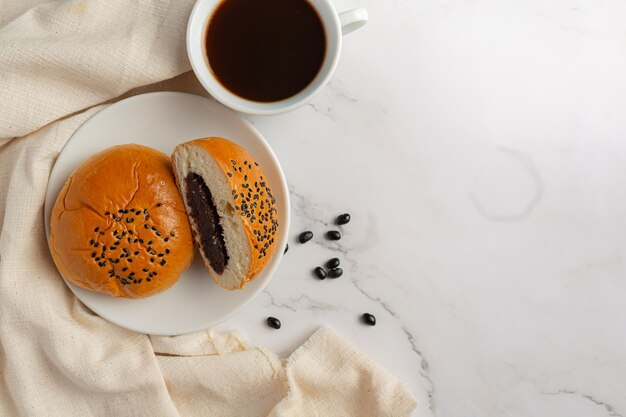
230	206
119	225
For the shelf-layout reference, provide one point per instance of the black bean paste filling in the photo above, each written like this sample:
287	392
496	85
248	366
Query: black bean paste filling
204	214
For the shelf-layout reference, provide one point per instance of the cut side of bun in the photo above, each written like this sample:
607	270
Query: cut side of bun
230	207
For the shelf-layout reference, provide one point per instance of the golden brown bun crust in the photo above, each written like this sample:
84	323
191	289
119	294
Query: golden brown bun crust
263	243
155	245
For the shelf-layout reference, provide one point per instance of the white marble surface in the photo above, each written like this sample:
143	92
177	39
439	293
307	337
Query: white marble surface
480	147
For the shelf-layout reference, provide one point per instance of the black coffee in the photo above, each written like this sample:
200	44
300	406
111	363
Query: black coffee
265	50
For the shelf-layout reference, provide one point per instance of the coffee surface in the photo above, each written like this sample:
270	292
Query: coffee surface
265	50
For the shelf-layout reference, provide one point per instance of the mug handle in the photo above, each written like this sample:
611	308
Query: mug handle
352	20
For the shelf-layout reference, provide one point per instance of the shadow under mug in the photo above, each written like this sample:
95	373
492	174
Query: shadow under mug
335	25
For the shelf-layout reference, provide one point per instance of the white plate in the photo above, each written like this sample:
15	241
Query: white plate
162	120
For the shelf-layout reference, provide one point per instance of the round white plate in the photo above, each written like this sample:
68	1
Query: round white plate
162	120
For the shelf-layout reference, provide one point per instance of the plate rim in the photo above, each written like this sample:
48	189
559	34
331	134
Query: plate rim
277	253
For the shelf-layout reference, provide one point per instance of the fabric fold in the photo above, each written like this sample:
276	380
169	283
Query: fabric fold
61	57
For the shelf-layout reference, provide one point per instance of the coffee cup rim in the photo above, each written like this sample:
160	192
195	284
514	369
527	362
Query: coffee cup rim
195	42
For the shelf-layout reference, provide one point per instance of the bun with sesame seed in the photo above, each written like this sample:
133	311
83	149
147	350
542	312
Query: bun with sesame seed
119	225
230	207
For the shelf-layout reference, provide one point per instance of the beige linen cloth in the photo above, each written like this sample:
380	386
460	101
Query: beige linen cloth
58	60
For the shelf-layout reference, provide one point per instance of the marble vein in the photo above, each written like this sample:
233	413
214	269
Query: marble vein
326	113
303	301
609	408
411	340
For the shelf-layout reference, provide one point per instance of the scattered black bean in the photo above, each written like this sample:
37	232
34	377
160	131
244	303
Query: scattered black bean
369	319
332	263
335	273
333	235
343	219
305	236
320	273
273	322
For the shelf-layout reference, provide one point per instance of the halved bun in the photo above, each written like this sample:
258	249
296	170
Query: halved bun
119	225
230	206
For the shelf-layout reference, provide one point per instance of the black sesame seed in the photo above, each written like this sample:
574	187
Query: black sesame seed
304	236
153	228
97	229
155	274
124	269
151	259
167	251
320	273
162	262
146	217
130	260
93	254
166	239
159	205
335	273
145	270
369	319
150	242
118	219
148	279
145	211
273	322
101	233
333	235
286	248
107	213
332	263
136	253
125	250
91	242
120	211
95	245
229	174
172	234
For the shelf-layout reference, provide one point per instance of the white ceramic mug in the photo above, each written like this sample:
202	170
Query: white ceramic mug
335	25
